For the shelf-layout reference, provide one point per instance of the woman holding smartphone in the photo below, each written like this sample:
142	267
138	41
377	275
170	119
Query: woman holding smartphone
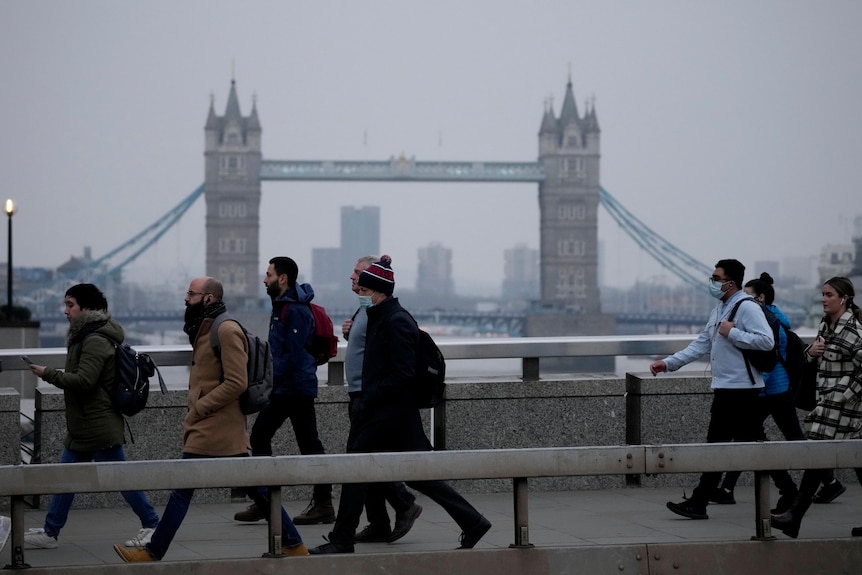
838	413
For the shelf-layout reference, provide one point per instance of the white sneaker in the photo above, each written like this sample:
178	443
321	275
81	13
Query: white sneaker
35	538
5	530
141	539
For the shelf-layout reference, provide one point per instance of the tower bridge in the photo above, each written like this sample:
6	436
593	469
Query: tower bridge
567	174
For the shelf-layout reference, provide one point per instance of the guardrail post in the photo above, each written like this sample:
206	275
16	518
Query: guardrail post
762	525
17	536
438	427
530	369
520	490
335	373
274	530
633	419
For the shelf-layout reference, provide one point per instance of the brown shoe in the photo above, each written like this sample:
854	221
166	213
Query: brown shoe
299	551
140	555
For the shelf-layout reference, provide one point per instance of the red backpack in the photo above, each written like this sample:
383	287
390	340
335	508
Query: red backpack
324	342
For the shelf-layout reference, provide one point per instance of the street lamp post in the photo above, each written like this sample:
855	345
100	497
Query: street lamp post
10	209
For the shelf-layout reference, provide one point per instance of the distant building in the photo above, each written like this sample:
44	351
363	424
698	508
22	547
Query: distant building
799	270
435	271
771	267
360	234
521	273
327	269
835	260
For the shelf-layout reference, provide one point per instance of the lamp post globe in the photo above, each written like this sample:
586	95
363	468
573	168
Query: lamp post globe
10	209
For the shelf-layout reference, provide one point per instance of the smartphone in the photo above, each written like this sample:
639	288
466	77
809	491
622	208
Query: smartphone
27	360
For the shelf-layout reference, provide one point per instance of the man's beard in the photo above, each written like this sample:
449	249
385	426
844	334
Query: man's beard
194	312
272	290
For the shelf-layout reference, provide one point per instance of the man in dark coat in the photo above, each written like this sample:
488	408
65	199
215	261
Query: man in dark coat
385	416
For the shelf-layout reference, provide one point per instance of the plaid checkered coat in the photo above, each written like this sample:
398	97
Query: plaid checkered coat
838	414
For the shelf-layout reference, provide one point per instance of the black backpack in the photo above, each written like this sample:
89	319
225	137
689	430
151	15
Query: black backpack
132	372
259	367
761	360
429	386
794	363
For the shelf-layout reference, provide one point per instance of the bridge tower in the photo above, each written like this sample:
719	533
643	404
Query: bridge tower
569	152
232	158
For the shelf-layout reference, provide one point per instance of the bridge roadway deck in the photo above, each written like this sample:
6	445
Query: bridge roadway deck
583	531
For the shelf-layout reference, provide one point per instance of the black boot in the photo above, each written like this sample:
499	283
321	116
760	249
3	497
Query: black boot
790	521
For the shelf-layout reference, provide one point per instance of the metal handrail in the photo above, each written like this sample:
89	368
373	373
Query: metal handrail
19	481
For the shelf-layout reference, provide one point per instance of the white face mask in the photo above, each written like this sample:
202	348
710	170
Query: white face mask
364	300
715	289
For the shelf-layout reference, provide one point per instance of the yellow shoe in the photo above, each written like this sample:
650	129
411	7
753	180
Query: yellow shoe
139	555
298	551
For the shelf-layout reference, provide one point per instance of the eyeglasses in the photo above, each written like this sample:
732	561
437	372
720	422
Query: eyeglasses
718	279
194	293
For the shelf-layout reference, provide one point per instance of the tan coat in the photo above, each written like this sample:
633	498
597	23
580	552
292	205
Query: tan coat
214	424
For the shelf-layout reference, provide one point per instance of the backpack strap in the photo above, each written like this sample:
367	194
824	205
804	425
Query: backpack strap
730	318
214	340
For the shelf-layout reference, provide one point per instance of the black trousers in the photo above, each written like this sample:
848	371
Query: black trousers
733	417
303	418
782	409
394	427
378	494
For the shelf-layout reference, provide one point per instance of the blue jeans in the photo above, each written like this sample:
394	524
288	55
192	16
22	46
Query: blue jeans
178	506
58	510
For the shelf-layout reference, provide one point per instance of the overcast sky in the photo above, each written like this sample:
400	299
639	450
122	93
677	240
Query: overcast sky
731	128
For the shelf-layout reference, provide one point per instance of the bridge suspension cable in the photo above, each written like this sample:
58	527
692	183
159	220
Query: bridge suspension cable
675	260
98	270
147	237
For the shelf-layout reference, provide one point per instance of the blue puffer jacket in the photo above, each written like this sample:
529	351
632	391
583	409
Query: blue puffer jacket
290	328
777	381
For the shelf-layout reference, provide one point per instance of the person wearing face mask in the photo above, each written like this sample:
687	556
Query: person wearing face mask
291	326
385	417
402	501
732	415
214	425
838	413
775	400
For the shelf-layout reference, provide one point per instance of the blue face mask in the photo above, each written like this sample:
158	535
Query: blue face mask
715	289
364	301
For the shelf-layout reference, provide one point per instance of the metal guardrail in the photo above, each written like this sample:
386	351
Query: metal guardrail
530	350
19	481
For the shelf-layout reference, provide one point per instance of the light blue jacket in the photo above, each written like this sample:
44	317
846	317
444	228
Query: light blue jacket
777	381
750	331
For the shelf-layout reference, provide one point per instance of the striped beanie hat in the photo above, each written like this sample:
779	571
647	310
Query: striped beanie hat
379	276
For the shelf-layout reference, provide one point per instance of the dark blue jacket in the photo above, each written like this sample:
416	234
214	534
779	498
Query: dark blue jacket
290	328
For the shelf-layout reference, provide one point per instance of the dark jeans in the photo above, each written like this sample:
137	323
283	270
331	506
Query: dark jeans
392	427
58	509
379	493
300	410
732	418
782	408
178	506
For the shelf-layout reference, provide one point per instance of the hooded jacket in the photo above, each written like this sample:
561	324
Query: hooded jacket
290	329
92	423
